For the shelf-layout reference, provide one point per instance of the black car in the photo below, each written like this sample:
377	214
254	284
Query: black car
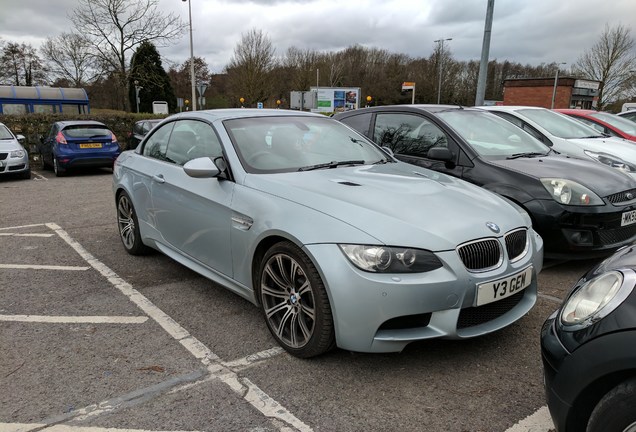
588	348
79	143
580	208
139	131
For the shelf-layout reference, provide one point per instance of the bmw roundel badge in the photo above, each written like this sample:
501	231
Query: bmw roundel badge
493	227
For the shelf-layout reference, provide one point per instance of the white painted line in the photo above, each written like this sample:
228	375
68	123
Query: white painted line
41	267
21	226
551	298
75	319
25	235
19	427
540	421
40	176
243	387
253	359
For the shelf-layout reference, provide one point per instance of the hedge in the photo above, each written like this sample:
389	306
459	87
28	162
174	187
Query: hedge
32	126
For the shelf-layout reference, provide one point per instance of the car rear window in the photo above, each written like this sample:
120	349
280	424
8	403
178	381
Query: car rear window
86	131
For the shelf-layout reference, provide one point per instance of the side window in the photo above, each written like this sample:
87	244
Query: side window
408	134
361	123
525	126
137	128
157	145
192	139
53	131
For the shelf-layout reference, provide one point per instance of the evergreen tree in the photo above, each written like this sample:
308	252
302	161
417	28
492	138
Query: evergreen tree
147	71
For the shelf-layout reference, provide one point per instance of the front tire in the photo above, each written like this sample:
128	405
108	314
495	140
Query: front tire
128	226
615	412
294	301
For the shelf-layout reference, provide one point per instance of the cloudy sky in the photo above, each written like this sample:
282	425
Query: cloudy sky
525	31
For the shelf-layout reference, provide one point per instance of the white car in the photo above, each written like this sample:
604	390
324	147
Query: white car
14	159
569	136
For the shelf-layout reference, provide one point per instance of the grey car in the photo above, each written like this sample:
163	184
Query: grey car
14	159
338	243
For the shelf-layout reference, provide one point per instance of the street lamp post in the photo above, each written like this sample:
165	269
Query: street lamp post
556	79
194	94
137	88
441	60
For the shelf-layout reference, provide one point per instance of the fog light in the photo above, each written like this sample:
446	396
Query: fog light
579	237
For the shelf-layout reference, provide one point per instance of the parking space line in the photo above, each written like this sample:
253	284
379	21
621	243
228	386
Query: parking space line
540	421
19	427
241	386
75	319
39	176
253	359
551	298
22	427
41	267
22	226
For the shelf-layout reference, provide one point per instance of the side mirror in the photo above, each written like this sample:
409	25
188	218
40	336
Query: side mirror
440	154
203	167
21	139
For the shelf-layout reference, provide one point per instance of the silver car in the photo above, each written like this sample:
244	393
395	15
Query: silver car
338	243
14	159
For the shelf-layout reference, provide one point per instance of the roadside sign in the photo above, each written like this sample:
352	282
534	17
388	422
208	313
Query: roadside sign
259	105
408	85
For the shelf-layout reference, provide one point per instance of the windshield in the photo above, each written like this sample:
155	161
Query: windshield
5	134
289	143
624	125
86	131
559	125
491	136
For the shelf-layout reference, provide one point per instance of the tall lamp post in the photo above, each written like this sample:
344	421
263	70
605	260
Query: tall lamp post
137	88
556	80
194	94
441	60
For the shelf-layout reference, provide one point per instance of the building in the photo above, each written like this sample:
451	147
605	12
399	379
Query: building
570	92
24	99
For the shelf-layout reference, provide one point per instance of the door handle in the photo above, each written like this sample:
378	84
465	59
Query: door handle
159	178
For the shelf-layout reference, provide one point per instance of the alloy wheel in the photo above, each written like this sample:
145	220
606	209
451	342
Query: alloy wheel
126	221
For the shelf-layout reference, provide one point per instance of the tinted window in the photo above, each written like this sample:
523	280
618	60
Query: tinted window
157	143
558	125
5	134
619	123
408	134
86	131
191	139
361	122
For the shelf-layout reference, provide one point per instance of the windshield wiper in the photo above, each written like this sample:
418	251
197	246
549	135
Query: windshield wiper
332	164
382	162
596	136
527	154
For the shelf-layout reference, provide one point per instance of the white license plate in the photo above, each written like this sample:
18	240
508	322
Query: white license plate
628	218
496	290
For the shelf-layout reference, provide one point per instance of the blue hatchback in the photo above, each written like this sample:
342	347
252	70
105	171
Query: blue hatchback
81	143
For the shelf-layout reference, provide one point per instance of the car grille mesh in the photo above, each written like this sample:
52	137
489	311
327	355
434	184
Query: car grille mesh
516	244
474	316
480	254
618	235
3	156
622	197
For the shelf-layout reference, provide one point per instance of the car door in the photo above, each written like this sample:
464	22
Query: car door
46	146
193	215
410	136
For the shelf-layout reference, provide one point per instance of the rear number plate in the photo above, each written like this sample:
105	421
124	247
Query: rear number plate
628	218
496	290
91	145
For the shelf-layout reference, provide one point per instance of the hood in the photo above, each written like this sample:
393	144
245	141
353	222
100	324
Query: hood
619	147
397	203
10	145
599	178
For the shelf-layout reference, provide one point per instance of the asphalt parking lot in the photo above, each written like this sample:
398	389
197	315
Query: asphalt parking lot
94	338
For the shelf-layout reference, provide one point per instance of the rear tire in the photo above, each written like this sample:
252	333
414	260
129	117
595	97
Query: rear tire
128	226
43	164
615	412
294	301
59	172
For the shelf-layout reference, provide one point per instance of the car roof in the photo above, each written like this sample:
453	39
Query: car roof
66	123
233	113
408	107
576	111
509	107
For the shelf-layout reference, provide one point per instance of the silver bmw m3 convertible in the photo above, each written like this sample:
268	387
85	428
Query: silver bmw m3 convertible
337	242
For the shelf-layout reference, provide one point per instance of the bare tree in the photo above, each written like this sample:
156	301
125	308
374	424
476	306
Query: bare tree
21	65
249	69
611	60
70	58
116	27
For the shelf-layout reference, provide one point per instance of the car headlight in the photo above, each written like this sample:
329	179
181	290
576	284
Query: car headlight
613	161
17	154
386	259
569	192
595	299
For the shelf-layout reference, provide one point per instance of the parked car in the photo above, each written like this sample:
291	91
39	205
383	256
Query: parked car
78	143
579	207
14	159
336	241
604	122
629	115
569	136
139	131
588	352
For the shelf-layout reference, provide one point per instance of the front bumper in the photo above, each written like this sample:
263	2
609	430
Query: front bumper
385	312
10	165
586	232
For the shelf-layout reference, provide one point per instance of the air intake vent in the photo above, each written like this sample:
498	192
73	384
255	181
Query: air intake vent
348	183
481	255
516	244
